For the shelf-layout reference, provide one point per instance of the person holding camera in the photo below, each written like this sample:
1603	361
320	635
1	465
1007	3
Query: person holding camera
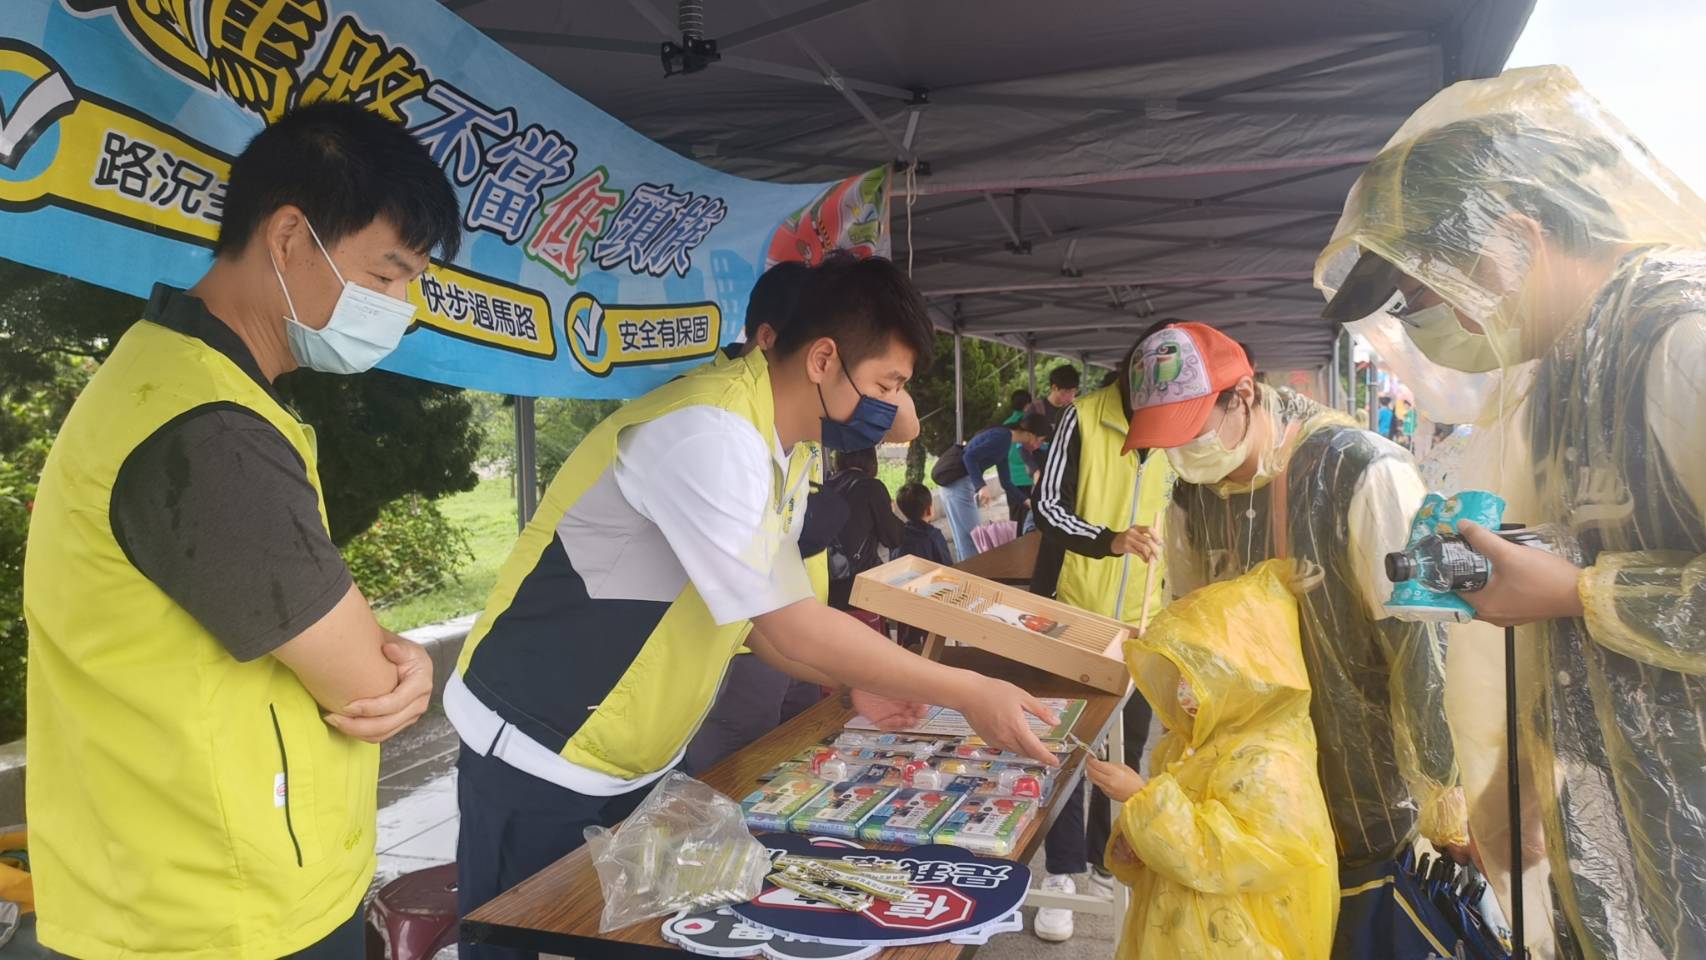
1513	227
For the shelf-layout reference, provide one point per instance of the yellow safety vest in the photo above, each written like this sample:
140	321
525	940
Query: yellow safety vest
523	670
181	804
817	565
1114	491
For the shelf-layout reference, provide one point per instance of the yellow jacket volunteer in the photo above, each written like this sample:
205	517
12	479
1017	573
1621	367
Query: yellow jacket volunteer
185	798
614	619
1089	491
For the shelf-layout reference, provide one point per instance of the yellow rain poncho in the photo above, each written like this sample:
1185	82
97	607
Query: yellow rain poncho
1230	849
1535	216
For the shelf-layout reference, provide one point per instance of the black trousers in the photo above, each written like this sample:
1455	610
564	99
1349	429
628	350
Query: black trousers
756	698
514	825
347	942
1072	844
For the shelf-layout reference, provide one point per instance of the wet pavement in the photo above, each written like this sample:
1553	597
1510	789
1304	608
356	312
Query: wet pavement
417	798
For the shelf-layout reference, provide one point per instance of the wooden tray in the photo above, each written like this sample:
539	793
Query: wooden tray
1079	646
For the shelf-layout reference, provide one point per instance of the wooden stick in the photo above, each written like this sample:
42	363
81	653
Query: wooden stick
1148	586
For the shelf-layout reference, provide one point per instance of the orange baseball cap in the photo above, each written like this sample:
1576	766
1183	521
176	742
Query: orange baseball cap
1176	374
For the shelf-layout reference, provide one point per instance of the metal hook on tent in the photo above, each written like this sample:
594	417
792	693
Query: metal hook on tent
694	53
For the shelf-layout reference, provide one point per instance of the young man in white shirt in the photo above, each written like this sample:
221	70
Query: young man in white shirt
671	527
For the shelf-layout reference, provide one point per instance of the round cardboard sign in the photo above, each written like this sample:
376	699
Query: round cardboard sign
956	894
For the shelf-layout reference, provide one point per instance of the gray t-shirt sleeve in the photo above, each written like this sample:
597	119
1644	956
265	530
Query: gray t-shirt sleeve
216	509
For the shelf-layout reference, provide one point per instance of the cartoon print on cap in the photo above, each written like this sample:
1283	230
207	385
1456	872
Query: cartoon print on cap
1170	370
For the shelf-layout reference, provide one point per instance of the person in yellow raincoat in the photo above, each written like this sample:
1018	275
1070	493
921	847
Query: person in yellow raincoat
1227	846
1527	250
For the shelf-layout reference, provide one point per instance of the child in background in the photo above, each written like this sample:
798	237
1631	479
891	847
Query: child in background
919	539
1227	847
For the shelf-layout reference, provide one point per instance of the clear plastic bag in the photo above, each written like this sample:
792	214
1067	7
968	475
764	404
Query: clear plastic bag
685	847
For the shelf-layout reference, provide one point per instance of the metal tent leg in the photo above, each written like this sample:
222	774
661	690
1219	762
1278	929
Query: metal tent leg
526	463
959	392
1117	905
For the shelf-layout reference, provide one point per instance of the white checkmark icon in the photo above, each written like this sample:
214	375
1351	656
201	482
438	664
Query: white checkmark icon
38	109
587	327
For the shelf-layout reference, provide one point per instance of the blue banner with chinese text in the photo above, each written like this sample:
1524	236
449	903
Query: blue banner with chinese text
595	263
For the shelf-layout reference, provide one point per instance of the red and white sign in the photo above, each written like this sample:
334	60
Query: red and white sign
928	908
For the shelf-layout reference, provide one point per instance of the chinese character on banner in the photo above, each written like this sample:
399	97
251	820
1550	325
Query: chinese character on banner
182	184
630	333
256	46
215	209
648	335
517	170
163	28
638	225
455	135
455	301
482	310
701	329
359	68
432	293
503	315
657	229
571	222
689	228
524	322
124	165
666	333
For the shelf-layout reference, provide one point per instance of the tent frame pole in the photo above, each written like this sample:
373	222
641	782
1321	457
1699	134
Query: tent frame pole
959	391
526	463
1031	364
1333	376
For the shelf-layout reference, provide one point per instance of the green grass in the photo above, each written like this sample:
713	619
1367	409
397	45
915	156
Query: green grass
893	474
487	515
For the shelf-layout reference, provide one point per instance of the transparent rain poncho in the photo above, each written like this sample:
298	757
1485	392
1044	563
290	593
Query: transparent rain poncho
1338	497
1534	214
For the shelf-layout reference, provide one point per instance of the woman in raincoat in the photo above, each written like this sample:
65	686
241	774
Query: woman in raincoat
1267	473
1514	231
1226	847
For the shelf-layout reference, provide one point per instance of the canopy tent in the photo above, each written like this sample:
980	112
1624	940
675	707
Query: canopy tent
1081	168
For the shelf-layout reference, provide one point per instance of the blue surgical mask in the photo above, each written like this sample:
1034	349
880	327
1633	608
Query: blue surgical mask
866	428
365	325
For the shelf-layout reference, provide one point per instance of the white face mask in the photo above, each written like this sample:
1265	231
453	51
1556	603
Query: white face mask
1439	334
365	325
1206	460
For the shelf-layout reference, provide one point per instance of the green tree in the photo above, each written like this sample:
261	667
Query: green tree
559	427
29	414
990	373
380	436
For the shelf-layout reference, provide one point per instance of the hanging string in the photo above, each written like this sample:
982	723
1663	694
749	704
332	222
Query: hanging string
911	196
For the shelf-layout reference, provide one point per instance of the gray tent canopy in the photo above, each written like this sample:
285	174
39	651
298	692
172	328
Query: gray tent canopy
1080	167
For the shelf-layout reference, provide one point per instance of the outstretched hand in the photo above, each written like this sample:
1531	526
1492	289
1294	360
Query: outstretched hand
889	714
996	709
1117	780
1526	585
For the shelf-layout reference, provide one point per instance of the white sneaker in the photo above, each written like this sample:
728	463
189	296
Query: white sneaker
1054	924
1101	884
